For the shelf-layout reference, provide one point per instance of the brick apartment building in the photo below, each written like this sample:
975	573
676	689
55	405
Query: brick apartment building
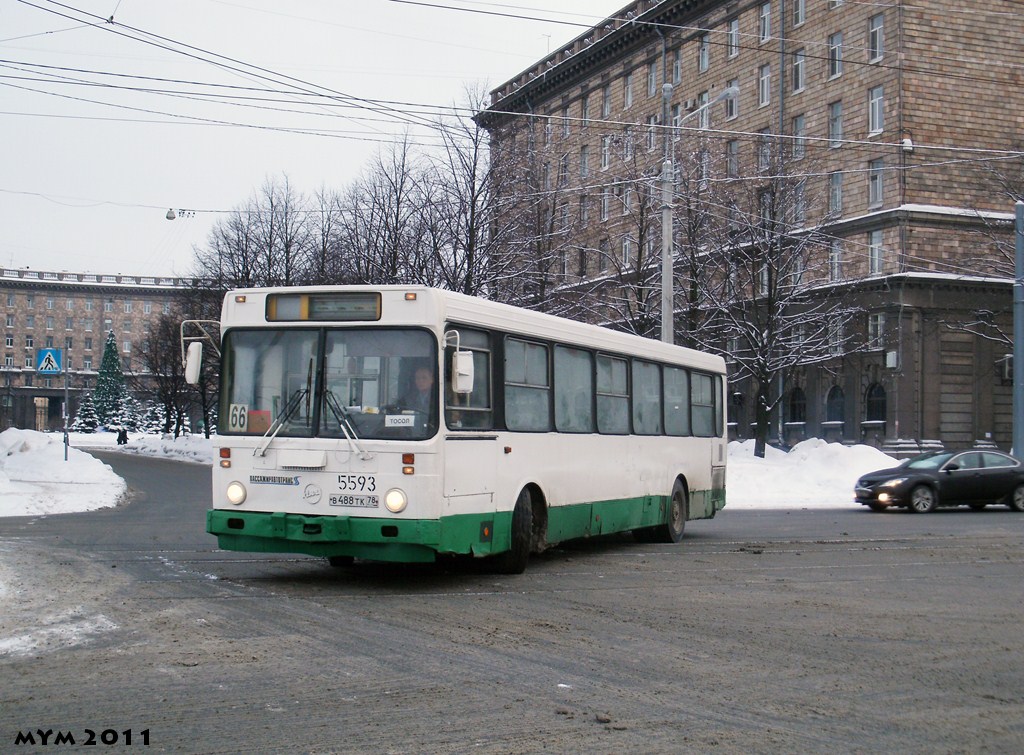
73	312
901	118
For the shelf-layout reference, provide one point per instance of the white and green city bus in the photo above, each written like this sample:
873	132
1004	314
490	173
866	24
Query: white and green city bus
396	423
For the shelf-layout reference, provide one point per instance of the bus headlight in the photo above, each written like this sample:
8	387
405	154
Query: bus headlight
236	493
395	500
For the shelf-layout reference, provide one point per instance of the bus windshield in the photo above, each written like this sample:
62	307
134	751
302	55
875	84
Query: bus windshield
365	383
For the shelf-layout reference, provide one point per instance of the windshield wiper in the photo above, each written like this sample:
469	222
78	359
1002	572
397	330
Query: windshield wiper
275	428
289	410
345	423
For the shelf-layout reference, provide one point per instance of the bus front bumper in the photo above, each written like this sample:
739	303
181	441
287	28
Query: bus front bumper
401	540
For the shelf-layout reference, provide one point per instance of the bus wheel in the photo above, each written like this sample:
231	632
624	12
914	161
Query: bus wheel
678	507
513	561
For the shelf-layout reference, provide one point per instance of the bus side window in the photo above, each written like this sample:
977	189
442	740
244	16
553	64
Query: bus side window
646	398
470	410
574	390
527	386
677	401
612	395
703	400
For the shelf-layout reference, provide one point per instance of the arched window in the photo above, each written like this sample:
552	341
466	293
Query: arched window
797	405
835	405
875	403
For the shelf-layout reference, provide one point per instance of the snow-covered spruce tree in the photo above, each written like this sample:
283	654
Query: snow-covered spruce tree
110	385
86	420
127	414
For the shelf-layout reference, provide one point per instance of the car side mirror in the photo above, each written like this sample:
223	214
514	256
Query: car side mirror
462	372
952	468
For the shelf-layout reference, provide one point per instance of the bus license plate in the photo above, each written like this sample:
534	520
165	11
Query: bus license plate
357	501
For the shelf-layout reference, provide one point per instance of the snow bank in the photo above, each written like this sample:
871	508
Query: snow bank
814	474
35	479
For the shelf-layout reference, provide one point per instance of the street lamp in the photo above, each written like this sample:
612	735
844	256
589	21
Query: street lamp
667	294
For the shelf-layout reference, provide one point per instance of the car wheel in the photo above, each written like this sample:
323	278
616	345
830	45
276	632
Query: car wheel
1017	499
922	500
875	506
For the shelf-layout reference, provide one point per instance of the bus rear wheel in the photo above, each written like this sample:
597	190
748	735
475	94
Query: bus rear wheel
513	561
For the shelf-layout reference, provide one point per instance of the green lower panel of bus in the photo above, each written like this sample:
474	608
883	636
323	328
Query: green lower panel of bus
420	540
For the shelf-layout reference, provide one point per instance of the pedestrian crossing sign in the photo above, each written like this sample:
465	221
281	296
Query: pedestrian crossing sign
48	362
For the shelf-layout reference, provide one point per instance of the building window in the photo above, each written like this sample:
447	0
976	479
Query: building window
10	321
30	301
800	204
585	110
87	363
69	323
835	124
548	130
88	305
49	323
652	79
677	66
876	254
835	405
627	91
167	308
88	344
732	102
606	101
703	119
835	336
732	158
799	57
797	405
764	152
732	36
876	38
703	53
9	340
108	306
49	302
30	363
677	121
8	361
584	161
627	252
606	151
835	260
764	84
10	300
764	22
127	347
652	132
876	182
563	169
627	143
876	331
69	305
606	198
876	110
835	55
603	254
68	342
799	125
835	193
30	321
834	4
799	12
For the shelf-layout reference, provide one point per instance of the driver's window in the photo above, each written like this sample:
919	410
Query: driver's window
470	410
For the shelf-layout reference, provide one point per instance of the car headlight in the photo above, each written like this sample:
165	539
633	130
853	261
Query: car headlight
395	500
235	493
893	483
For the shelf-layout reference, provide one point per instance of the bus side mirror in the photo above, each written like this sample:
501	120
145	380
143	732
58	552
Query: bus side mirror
193	362
462	372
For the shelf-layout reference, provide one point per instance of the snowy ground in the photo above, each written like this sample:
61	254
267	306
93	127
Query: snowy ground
45	604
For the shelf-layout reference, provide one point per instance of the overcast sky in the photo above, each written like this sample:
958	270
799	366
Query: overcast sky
89	171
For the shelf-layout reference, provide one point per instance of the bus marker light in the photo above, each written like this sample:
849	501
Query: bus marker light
225	463
225	453
410	296
408	458
240	299
408	470
395	500
236	493
508	449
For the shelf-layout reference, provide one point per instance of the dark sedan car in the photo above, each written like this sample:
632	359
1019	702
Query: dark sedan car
945	478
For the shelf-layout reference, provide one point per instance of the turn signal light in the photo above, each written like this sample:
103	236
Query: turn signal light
408	458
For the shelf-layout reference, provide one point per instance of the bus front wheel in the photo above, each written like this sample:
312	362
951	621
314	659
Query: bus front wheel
513	561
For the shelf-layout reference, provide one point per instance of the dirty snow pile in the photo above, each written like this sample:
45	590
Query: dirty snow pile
814	474
35	478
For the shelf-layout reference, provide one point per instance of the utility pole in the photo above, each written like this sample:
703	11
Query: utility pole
1018	334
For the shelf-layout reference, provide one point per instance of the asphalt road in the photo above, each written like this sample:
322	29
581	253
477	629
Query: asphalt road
764	631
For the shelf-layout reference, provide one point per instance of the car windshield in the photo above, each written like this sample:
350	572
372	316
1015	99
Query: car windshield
360	383
929	461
